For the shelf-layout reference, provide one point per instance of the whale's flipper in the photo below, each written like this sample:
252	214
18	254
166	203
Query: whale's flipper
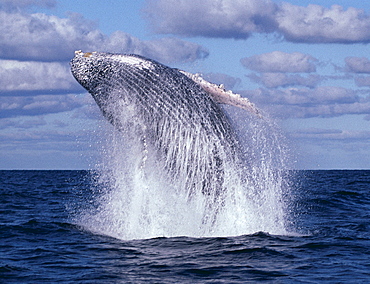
221	96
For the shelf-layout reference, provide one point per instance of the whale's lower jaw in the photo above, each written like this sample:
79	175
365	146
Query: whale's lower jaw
190	133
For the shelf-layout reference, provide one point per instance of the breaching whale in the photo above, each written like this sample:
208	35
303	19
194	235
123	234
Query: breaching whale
174	112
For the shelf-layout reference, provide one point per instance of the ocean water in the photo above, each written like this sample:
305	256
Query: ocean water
46	236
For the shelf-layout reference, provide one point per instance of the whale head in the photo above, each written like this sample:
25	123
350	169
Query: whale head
93	68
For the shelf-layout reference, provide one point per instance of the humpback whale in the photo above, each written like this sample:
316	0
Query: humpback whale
173	112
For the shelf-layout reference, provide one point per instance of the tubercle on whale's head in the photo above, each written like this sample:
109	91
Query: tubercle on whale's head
87	54
84	54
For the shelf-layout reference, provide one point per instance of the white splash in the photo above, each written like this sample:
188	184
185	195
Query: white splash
136	201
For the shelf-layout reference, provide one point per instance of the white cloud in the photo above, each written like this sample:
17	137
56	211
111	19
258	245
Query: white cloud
278	61
167	50
316	24
11	5
209	18
239	19
35	50
363	81
17	76
331	148
274	80
331	134
358	64
49	38
42	37
326	101
22	124
227	81
37	142
39	105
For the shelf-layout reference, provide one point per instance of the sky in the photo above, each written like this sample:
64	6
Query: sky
305	63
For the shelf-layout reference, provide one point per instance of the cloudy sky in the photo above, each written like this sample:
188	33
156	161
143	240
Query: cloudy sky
306	63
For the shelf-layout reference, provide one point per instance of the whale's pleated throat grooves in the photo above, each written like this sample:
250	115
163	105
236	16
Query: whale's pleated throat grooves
192	137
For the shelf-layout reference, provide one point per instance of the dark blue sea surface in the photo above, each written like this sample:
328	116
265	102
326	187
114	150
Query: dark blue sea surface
40	242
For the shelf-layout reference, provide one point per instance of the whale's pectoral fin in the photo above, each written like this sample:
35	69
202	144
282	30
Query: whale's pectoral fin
220	95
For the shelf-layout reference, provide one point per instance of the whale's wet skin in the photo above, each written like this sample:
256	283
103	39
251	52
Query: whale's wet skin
176	165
